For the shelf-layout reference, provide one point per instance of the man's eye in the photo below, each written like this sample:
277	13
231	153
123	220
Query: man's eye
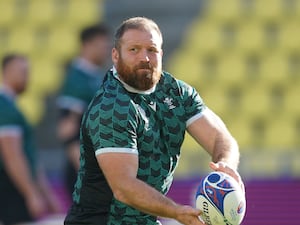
153	50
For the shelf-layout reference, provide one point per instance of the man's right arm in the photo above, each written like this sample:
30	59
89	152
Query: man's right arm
18	170
120	170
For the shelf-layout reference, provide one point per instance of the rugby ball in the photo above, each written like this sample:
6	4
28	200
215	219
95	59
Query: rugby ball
221	200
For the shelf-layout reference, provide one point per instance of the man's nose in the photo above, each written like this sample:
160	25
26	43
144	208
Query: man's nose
144	56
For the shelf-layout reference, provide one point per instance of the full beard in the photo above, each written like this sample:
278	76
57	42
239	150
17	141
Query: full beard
141	77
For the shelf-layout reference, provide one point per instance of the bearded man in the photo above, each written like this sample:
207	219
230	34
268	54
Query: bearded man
132	133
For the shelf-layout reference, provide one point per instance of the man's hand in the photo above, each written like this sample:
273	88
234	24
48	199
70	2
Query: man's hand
189	216
36	205
68	126
223	167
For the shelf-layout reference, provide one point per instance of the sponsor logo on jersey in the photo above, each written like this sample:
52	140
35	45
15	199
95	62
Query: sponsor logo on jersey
153	105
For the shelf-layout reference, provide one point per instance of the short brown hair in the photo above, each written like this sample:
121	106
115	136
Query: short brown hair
139	23
90	32
7	59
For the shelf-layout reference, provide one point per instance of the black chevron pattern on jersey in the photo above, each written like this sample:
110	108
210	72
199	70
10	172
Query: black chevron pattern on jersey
94	115
107	107
106	136
95	130
120	116
120	119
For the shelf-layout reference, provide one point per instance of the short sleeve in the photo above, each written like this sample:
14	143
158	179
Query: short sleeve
192	103
113	128
70	95
9	122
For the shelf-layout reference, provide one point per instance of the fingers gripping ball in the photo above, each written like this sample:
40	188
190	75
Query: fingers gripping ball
221	200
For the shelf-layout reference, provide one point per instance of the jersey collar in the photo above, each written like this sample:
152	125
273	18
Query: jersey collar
8	92
85	65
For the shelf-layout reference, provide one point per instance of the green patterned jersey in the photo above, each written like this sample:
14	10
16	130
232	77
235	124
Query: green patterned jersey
149	124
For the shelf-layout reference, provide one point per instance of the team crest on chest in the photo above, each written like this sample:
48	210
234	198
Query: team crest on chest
169	102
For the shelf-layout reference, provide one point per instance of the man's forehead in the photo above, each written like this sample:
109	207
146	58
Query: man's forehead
136	36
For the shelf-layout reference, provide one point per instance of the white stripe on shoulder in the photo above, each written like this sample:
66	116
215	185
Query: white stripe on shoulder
195	117
10	130
116	150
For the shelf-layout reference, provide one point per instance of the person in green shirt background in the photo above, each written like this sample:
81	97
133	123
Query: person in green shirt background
24	190
82	79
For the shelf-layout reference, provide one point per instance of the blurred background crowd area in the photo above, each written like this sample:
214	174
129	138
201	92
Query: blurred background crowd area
243	56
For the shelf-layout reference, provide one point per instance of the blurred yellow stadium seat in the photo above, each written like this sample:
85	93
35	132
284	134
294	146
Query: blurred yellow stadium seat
293	67
63	43
40	12
46	77
32	105
82	13
247	68
253	61
215	98
7	9
231	70
292	105
274	69
250	37
290	36
46	31
226	11
41	40
21	40
4	39
228	34
256	101
268	9
290	9
184	63
271	34
239	127
204	37
279	134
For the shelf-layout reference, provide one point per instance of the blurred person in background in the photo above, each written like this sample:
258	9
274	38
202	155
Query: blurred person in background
132	132
83	77
24	189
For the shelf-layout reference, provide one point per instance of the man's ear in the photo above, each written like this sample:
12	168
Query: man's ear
114	55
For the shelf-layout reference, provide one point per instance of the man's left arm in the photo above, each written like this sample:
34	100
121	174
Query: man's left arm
211	133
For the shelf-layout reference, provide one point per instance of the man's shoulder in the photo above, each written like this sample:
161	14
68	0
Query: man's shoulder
168	78
168	81
73	73
112	99
2	99
6	105
8	113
